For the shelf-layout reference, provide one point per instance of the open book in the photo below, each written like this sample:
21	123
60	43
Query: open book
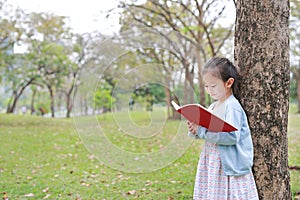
203	117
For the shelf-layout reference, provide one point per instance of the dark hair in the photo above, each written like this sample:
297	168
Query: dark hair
224	69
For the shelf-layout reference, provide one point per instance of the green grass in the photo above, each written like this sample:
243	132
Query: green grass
46	158
294	150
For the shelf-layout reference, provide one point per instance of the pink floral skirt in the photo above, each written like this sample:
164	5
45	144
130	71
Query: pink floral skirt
211	182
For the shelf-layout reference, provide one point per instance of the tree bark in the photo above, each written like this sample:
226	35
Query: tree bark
186	77
69	105
32	110
9	102
15	97
51	100
202	100
168	95
69	101
262	53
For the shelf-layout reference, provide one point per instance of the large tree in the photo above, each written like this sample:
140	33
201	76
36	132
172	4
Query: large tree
83	54
46	38
197	23
262	53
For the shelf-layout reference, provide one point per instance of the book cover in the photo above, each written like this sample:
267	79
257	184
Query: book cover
203	117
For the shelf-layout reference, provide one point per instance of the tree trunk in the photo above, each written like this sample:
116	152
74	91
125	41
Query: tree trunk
298	90
51	100
185	90
168	96
172	114
202	99
8	109
32	110
188	84
69	105
262	53
85	105
15	97
69	100
200	80
191	91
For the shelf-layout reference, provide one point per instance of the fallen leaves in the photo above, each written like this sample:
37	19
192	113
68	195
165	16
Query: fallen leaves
47	196
83	183
297	197
45	190
131	192
148	183
29	195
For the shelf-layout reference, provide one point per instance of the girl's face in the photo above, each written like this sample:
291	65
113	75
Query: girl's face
216	88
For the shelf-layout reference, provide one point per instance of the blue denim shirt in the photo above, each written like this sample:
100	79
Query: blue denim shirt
236	148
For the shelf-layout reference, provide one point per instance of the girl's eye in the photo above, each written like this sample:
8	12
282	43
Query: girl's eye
213	86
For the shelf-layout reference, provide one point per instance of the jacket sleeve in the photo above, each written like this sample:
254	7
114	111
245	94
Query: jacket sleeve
233	117
194	136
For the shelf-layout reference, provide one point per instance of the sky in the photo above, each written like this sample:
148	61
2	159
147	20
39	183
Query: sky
85	15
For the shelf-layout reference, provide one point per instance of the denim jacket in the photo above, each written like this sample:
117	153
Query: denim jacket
236	148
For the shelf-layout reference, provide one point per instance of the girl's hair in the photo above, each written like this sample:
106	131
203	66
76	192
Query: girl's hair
223	69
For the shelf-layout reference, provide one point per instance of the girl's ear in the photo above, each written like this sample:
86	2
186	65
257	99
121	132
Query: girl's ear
229	82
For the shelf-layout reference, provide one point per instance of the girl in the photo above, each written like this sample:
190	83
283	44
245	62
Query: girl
224	168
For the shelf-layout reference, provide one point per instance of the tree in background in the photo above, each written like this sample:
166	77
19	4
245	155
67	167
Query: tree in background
19	74
10	32
103	100
46	37
262	53
10	64
195	22
82	52
149	94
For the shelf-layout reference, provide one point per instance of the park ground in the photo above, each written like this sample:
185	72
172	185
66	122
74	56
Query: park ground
44	158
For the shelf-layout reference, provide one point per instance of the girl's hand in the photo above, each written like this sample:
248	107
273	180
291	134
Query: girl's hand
192	127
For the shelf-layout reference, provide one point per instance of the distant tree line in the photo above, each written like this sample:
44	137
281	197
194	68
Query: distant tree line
47	74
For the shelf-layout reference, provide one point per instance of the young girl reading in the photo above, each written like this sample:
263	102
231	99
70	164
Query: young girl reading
224	168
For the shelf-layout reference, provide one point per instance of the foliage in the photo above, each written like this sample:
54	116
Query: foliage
294	29
55	56
295	50
103	98
154	90
198	23
197	26
293	85
10	32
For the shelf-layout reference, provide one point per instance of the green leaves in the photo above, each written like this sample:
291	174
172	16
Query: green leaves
186	29
103	98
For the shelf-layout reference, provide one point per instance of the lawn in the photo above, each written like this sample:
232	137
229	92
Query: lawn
42	158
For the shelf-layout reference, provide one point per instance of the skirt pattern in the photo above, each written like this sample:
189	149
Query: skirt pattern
211	182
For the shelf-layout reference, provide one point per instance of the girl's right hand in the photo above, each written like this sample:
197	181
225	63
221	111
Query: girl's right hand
192	127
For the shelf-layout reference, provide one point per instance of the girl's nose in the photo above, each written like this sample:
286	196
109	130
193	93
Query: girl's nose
208	90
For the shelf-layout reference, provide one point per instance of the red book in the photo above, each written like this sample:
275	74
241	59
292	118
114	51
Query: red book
203	117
